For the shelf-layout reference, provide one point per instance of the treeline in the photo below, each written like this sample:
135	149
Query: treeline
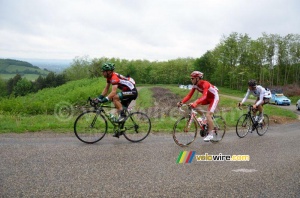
272	60
18	86
26	71
143	71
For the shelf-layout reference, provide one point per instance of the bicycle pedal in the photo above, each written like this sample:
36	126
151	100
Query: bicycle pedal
117	135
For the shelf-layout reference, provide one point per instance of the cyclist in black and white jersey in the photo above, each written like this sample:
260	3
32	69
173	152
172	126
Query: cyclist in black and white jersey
262	95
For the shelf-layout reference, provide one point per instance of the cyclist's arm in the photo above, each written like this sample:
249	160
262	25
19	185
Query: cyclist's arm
105	90
190	94
202	98
246	96
113	92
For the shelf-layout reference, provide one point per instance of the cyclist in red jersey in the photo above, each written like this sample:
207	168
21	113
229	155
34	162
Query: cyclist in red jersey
121	99
209	96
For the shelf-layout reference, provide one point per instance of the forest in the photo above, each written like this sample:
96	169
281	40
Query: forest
272	60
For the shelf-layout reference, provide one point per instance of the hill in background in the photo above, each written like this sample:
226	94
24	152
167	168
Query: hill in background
10	67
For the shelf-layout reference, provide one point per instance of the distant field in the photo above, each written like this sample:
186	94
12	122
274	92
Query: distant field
31	77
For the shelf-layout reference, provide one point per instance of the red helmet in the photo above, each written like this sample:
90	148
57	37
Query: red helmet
195	74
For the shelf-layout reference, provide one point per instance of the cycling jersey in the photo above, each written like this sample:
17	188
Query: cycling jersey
124	83
209	95
260	92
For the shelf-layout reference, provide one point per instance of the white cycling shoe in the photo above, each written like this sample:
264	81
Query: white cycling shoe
208	137
261	119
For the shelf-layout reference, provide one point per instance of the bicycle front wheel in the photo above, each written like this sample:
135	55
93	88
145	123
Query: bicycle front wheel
90	127
219	127
137	127
263	127
184	133
243	125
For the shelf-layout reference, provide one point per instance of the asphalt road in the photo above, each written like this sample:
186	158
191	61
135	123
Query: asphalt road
59	165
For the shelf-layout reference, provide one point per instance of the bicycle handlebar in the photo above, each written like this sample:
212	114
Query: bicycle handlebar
180	108
190	109
248	105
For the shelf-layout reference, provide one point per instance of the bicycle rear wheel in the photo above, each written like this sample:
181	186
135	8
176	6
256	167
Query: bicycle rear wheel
183	134
263	127
137	127
219	127
243	125
90	127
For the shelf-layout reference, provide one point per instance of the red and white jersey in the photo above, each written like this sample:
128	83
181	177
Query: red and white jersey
124	83
208	91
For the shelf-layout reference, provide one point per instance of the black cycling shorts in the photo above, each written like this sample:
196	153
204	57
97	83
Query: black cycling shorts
128	96
266	100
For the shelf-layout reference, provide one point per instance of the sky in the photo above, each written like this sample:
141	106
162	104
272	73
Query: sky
155	30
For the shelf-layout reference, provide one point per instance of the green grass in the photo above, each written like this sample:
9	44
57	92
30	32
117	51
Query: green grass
21	123
145	99
231	92
44	111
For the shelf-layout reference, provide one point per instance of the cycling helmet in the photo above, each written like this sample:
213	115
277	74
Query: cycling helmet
195	74
108	67
252	83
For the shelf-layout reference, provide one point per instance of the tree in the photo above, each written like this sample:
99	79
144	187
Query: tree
22	87
3	88
12	83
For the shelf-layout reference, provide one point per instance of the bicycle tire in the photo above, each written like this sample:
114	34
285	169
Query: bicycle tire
243	125
137	127
219	127
262	128
181	135
90	127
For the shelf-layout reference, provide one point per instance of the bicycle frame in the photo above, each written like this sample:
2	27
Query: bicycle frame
254	123
193	116
100	109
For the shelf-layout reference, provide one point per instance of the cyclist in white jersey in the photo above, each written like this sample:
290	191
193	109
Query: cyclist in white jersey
262	95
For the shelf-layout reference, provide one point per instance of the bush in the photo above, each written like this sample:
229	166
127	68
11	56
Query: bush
45	101
289	90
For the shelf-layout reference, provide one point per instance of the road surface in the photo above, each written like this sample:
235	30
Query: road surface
59	165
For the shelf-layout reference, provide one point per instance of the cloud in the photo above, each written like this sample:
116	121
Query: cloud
132	29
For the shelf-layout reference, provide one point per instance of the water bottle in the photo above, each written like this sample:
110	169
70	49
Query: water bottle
204	120
199	120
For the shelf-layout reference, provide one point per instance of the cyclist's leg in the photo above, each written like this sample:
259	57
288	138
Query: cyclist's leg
254	111
261	109
124	99
213	103
117	101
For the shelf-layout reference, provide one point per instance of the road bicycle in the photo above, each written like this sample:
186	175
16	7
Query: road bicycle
91	125
186	128
247	123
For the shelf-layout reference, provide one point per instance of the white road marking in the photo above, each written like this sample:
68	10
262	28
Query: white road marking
245	170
